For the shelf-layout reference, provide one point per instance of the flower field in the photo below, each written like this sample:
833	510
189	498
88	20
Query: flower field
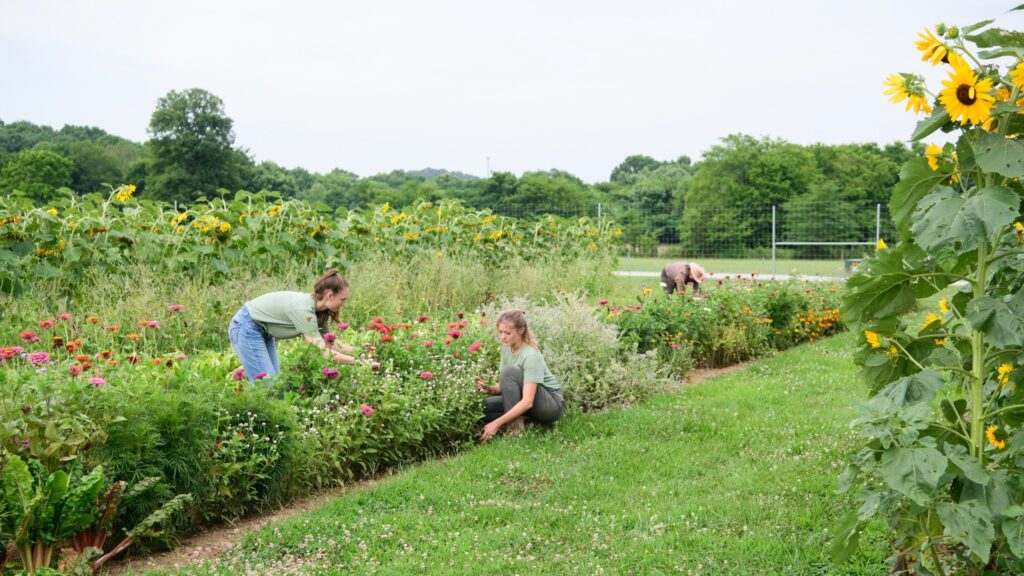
150	399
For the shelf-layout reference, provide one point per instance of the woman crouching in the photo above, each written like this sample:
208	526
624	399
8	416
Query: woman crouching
526	387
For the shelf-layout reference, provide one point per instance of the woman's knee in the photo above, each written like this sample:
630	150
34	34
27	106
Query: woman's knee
511	376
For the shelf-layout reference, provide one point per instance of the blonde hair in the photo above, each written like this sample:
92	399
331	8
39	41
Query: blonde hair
331	281
517	320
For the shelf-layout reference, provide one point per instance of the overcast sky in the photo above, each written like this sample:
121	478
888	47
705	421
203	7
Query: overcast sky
517	86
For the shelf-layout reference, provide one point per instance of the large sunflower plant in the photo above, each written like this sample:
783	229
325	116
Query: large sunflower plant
943	453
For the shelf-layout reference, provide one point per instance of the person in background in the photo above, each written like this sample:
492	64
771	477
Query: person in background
676	275
262	321
526	387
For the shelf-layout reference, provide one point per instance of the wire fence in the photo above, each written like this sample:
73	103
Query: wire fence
806	229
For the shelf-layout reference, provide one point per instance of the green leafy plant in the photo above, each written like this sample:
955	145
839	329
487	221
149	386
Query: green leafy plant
942	458
40	509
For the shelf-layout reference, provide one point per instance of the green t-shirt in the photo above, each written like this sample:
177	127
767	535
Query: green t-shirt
285	314
531	362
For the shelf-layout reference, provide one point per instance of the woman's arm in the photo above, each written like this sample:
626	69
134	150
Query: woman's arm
521	407
341	354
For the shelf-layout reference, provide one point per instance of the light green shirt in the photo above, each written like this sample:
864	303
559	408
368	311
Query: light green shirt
285	314
531	362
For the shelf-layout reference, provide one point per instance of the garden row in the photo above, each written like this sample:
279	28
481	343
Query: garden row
143	439
220	237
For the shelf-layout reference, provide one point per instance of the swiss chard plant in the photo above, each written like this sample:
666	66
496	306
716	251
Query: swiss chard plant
944	447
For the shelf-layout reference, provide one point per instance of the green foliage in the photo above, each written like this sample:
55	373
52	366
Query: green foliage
942	433
190	153
38	174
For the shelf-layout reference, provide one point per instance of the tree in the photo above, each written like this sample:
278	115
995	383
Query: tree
190	150
93	167
730	197
632	167
543	193
39	174
270	176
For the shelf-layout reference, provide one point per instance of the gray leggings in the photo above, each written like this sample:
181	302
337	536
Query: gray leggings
547	404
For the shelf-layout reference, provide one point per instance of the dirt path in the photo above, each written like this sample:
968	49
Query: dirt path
214	542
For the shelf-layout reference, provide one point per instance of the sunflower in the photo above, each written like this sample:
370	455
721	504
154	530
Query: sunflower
933	152
1017	75
934	50
910	88
990	433
873	339
966	98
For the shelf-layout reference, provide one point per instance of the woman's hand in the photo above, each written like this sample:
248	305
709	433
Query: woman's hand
483	387
489	431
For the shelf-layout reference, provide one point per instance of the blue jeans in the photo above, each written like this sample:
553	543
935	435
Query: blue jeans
255	348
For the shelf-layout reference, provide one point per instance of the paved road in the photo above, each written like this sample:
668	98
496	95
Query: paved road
721	276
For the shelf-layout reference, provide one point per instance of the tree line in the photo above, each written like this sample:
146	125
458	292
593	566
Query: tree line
721	203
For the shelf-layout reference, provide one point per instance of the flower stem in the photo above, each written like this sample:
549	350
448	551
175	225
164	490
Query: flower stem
978	365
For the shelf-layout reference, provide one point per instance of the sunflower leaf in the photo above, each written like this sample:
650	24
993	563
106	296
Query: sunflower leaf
997	37
1001	53
997	154
947	225
977	25
938	119
916	181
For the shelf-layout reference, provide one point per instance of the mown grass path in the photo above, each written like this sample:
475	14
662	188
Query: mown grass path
736	475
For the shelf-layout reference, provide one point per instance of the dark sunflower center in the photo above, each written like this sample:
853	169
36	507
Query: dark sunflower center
966	94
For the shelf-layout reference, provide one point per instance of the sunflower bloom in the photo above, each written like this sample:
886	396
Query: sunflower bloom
944	306
930	319
907	87
873	339
990	433
881	245
1004	371
966	97
933	152
1017	75
934	51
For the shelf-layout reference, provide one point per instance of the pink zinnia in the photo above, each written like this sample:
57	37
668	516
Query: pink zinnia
97	381
64	316
343	326
366	409
239	374
475	346
175	307
180	356
29	336
422	319
74	370
426	375
330	373
153	324
602	302
674	346
427	343
330	338
38	358
260	376
47	324
454	333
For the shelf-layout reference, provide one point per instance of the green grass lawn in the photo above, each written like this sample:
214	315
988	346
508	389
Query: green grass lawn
738	266
736	475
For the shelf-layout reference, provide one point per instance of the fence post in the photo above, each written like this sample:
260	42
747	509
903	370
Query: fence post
878	223
773	239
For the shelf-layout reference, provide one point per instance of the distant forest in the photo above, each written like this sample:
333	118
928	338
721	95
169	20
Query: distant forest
723	200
